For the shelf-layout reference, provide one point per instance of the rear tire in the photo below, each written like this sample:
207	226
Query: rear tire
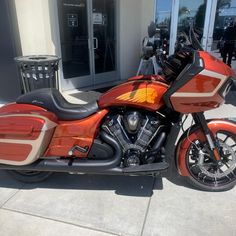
29	176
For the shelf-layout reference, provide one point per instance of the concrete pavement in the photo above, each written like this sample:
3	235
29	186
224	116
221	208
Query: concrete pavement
101	205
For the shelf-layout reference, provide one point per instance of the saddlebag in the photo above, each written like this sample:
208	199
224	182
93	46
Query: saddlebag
24	136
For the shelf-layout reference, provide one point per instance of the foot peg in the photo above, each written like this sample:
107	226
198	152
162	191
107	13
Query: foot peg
79	149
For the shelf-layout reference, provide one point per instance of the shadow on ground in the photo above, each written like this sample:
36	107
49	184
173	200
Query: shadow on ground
141	186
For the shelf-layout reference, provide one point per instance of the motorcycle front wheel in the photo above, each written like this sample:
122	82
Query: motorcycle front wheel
29	176
204	173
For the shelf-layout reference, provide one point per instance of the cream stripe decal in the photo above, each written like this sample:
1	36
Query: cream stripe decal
223	78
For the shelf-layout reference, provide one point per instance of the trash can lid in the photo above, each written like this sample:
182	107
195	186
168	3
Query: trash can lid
37	58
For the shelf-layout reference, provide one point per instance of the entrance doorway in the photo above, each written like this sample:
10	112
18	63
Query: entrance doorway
88	42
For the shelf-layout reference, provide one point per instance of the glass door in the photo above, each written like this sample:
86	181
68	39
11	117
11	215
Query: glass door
191	13
88	42
104	40
163	21
222	30
173	18
75	44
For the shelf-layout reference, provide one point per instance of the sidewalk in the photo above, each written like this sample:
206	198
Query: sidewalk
109	205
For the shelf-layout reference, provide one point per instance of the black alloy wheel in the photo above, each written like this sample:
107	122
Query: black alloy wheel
205	173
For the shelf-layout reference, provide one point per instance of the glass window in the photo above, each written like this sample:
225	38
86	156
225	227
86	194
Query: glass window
225	15
104	35
74	37
191	12
163	20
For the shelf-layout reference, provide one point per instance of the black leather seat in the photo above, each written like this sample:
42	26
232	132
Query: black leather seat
52	100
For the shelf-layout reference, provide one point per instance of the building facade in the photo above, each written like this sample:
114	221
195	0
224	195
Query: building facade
99	41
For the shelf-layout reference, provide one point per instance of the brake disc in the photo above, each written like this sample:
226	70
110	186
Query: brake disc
227	167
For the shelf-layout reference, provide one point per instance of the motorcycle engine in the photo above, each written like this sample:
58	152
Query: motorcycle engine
134	132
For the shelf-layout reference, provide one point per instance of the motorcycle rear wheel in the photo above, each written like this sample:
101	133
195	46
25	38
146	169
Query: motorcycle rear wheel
204	174
29	176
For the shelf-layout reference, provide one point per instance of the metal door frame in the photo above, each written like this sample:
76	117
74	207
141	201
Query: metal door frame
111	75
209	25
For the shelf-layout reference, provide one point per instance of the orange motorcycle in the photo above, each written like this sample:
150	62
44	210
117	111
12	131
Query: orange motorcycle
131	130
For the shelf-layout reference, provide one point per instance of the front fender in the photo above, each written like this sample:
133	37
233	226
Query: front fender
197	133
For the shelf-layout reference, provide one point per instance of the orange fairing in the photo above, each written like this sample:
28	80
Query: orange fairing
214	126
202	92
141	94
214	64
71	133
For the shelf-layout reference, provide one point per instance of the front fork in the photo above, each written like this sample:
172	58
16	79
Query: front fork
199	118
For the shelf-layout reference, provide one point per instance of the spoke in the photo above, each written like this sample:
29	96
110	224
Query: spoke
203	179
215	181
228	166
198	175
226	139
228	177
233	173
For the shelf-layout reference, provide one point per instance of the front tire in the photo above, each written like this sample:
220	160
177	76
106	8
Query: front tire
29	176
206	175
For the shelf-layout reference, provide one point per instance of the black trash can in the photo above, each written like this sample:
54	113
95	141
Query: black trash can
39	71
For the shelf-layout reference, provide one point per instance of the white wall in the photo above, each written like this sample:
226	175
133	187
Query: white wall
34	26
135	16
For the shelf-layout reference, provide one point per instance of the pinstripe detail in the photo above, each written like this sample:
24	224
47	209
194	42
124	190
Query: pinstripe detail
212	74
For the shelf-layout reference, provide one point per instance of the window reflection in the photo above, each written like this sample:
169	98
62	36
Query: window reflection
225	15
191	13
104	35
74	37
163	20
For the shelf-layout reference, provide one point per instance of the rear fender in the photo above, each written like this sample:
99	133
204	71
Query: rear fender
196	133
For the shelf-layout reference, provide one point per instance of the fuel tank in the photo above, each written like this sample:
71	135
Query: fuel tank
138	93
